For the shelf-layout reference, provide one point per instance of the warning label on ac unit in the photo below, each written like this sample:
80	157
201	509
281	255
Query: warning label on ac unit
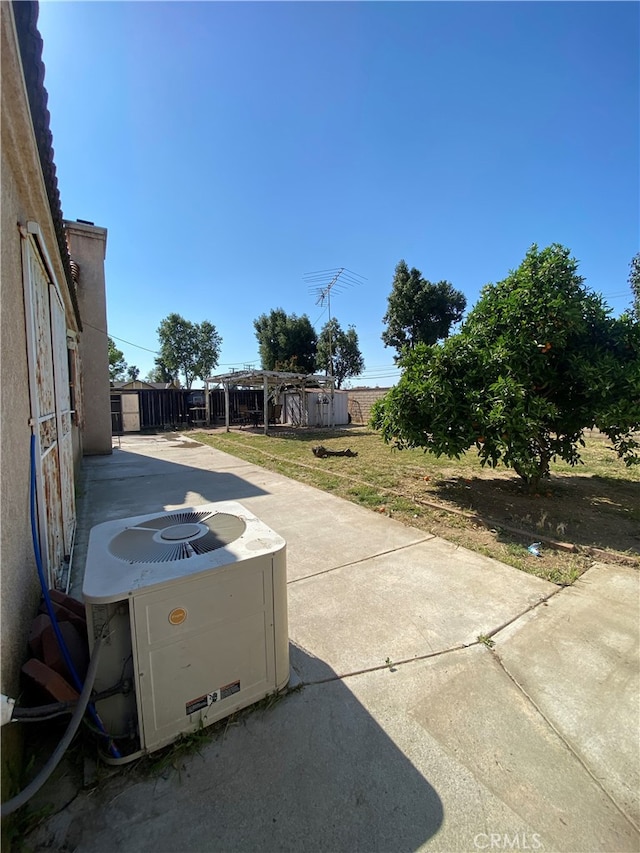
229	689
211	698
196	704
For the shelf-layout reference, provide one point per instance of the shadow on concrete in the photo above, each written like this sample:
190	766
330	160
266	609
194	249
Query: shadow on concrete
315	772
129	483
321	774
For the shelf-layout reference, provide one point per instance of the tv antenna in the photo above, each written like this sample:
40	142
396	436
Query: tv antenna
321	284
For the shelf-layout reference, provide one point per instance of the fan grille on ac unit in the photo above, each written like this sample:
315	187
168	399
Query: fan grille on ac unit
177	536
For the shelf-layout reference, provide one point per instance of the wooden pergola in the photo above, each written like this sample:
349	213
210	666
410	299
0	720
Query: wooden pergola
270	381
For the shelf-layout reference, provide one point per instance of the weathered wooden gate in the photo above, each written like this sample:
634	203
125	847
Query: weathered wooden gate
50	404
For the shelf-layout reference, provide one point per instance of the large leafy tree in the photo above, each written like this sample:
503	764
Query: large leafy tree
160	372
338	352
117	364
286	342
190	349
538	360
418	311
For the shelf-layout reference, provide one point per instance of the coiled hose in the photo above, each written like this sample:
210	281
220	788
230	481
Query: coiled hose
25	795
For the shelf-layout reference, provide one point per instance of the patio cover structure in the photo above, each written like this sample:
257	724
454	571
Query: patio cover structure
272	383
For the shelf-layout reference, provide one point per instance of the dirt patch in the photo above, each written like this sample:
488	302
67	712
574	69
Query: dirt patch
589	511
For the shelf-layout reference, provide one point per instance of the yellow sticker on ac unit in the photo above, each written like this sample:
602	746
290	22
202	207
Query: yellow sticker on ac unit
177	616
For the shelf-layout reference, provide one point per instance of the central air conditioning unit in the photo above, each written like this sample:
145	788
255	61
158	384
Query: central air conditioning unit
192	605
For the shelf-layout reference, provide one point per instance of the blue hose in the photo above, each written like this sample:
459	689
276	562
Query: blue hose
47	598
34	786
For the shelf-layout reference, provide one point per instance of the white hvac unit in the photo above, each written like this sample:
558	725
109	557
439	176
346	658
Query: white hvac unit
195	604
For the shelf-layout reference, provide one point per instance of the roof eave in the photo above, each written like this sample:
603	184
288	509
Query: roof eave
25	13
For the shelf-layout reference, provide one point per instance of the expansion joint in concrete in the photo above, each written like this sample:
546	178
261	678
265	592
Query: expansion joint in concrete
540	602
390	665
565	742
362	560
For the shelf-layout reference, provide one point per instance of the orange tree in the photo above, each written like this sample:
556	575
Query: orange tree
537	361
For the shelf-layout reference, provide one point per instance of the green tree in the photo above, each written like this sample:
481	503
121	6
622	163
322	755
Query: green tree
286	342
634	283
419	312
132	372
538	360
160	372
190	349
117	364
338	352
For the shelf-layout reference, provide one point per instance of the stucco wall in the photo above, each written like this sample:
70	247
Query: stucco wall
87	246
19	579
23	198
360	402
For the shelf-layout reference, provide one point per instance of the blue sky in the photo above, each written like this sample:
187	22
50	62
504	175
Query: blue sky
230	148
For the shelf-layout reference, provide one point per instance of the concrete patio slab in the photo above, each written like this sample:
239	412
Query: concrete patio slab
410	602
466	704
148	474
442	755
474	749
579	660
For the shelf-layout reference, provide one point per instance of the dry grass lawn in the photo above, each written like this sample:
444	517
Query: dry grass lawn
585	513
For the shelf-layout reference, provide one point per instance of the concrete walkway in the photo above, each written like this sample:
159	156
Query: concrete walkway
409	734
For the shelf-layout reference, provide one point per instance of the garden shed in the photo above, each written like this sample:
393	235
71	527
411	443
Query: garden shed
283	396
